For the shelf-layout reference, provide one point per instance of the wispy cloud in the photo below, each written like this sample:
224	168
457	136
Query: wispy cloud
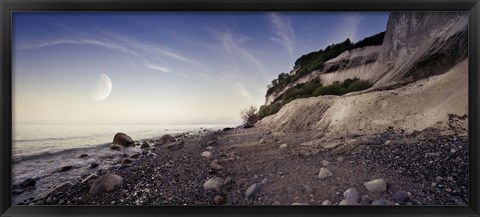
243	91
284	33
233	45
158	68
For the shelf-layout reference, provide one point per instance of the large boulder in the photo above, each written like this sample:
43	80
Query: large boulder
106	183
165	139
123	140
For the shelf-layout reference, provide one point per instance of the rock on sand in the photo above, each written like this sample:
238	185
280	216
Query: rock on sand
123	140
376	185
106	183
214	184
324	173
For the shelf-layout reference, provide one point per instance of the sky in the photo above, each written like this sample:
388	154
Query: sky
164	67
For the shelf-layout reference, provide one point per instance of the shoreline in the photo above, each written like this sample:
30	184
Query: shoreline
254	165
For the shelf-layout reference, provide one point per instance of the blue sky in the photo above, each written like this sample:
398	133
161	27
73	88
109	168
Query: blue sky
165	67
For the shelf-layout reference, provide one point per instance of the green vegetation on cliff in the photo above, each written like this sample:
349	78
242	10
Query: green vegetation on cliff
315	60
311	89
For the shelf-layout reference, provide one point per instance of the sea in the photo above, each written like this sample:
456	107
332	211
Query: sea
39	151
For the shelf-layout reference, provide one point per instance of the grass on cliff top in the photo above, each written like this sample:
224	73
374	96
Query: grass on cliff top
312	89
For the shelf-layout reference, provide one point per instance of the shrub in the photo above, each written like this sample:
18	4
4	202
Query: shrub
249	116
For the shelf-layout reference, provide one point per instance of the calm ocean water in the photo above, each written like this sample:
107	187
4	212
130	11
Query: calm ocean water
38	151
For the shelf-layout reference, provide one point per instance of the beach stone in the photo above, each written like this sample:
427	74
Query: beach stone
28	182
216	166
66	168
227	128
348	202
214	184
327	203
228	180
383	202
83	156
165	139
17	192
283	146
325	162
211	143
175	145
90	177
263	140
299	204
136	155
209	148
144	145
144	152
365	199
116	147
93	165
376	185
106	183
388	142
218	200
127	161
207	154
251	190
324	173
123	140
400	197
62	187
351	194
125	166
340	159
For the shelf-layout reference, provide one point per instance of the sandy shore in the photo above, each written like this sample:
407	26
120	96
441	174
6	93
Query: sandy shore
258	167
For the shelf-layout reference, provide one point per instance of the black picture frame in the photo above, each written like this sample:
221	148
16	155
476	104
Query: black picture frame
9	6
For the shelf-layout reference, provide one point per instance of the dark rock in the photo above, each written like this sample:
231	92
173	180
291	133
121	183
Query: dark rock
400	197
125	166
214	184
28	182
175	145
116	147
123	140
251	190
66	168
106	183
17	192
165	139
83	156
93	165
145	145
127	161
227	128
136	155
144	152
218	200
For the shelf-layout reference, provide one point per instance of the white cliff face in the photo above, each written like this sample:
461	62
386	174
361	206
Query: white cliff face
410	39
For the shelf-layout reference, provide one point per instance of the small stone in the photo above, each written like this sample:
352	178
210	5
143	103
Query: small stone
448	189
434	184
127	161
90	177
251	190
93	165
116	147
83	156
263	140
62	187
325	162
207	154
113	202
144	145
366	199
106	183
209	148
340	159
388	142
324	173
299	204
218	200
376	185
327	203
351	194
348	202
49	200
28	182
214	184
400	197
215	166
283	146
66	168
228	180
264	181
383	202
136	155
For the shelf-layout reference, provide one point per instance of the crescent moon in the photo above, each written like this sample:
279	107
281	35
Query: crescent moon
103	88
